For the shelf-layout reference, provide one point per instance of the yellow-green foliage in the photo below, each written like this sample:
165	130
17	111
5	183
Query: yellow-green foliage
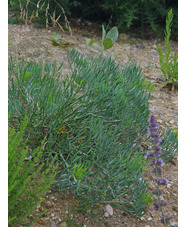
28	180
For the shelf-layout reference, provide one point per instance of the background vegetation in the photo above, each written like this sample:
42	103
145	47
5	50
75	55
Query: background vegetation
137	16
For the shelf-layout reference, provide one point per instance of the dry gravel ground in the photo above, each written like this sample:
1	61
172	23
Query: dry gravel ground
32	43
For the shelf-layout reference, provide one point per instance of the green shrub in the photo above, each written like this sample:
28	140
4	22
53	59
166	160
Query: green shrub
94	121
27	182
168	62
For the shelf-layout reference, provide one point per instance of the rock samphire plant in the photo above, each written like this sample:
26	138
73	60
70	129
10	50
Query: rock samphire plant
28	180
94	120
157	162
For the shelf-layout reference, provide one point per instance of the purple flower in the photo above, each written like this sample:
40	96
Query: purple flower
158	148
155	135
156	141
157	153
152	129
157	192
162	180
158	161
157	204
166	219
150	154
154	124
156	170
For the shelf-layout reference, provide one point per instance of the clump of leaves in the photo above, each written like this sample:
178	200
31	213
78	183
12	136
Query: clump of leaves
108	39
56	38
168	62
28	180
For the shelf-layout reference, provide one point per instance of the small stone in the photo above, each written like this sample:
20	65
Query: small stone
59	219
140	46
109	209
151	109
149	219
53	224
52	197
171	122
52	215
168	185
159	121
106	214
142	218
147	226
125	213
174	224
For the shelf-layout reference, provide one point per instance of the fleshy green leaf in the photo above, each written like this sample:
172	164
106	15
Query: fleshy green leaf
113	34
107	43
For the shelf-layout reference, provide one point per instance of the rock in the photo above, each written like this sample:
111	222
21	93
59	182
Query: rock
109	209
168	185
106	214
174	224
142	218
52	215
125	213
149	219
52	197
159	121
53	224
171	122
147	226
140	46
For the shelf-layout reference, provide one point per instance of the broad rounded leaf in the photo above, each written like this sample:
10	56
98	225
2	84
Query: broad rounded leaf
107	43
90	42
113	34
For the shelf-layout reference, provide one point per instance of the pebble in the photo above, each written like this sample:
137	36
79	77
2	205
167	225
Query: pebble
149	219
159	121
147	226
154	51
168	185
142	218
171	122
125	213
52	197
106	214
52	215
53	224
174	224
109	209
140	46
